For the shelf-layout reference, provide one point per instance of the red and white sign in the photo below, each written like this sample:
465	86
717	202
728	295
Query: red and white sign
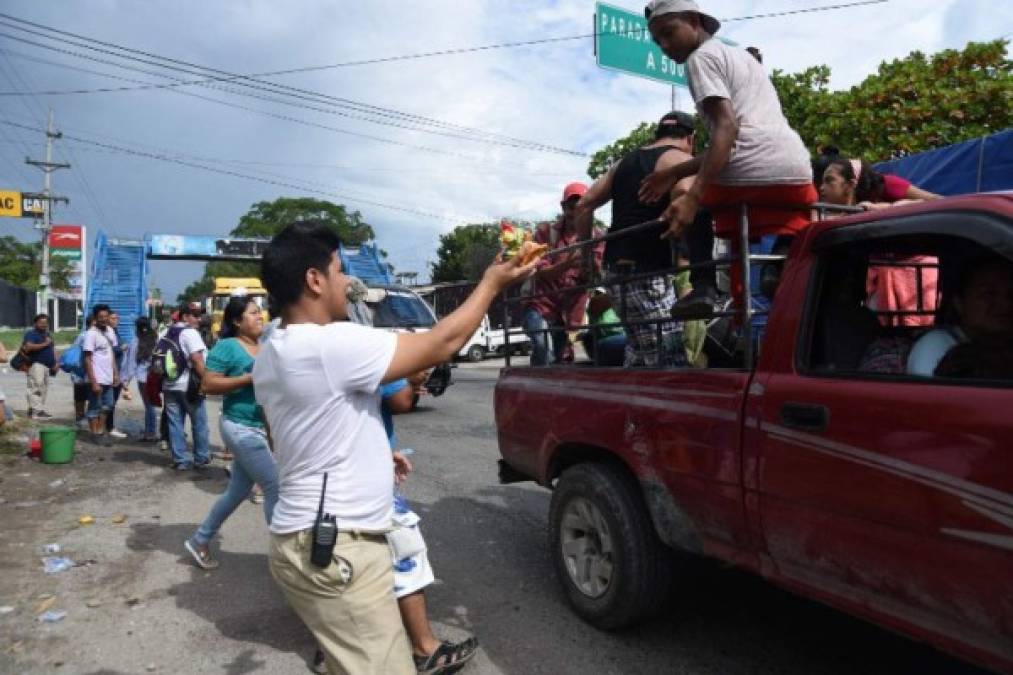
66	236
69	241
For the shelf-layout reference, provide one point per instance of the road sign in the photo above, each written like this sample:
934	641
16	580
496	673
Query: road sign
622	42
10	204
33	206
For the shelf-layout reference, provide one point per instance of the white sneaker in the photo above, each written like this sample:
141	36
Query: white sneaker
116	433
82	424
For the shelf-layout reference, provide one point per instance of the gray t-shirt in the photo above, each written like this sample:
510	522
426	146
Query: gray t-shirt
767	150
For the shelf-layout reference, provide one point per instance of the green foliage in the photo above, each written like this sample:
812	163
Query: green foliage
610	154
21	263
909	105
465	252
266	219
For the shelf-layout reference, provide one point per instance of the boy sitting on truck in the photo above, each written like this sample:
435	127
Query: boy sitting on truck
754	156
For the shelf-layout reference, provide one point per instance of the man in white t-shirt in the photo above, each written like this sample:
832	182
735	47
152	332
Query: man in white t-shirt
182	397
317	377
753	157
100	364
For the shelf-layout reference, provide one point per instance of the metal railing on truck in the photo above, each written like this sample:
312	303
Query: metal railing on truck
743	310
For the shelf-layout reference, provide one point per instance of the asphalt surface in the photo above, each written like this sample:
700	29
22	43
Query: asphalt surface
138	604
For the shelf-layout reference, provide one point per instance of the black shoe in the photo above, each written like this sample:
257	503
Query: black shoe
319	664
180	466
699	304
43	415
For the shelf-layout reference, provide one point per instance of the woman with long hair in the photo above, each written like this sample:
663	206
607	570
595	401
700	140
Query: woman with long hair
228	372
136	363
894	287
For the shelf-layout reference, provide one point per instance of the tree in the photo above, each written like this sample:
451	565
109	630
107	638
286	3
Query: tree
465	252
21	264
909	105
266	219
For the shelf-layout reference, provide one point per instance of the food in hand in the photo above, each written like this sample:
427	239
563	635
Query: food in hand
512	238
531	251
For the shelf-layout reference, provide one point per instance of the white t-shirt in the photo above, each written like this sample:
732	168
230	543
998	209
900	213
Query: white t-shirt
930	350
191	343
767	150
100	344
318	388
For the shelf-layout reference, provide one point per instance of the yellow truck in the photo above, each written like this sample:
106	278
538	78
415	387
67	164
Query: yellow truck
225	288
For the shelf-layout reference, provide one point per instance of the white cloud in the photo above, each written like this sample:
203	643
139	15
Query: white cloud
550	93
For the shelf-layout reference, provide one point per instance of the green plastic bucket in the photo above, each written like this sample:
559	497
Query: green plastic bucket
57	444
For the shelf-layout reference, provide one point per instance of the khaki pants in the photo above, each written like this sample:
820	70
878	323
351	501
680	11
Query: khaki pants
38	385
356	623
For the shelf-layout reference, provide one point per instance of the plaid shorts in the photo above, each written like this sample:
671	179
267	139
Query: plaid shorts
645	300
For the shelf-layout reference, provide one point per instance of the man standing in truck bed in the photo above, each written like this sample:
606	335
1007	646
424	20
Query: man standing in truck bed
643	252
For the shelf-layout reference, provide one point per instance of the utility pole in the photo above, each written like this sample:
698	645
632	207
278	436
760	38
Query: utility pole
48	167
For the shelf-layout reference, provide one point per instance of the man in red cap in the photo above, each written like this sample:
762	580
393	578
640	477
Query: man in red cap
558	305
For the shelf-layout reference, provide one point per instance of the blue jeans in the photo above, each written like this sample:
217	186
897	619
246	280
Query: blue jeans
177	409
540	332
253	463
101	402
150	412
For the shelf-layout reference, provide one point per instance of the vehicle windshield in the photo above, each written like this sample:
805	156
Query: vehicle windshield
400	309
220	302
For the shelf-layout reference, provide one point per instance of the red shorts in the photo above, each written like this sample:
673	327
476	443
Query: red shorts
766	212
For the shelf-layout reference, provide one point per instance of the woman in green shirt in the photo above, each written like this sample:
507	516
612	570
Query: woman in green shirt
229	367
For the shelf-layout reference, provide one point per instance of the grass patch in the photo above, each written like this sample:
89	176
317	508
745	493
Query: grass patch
12	439
12	338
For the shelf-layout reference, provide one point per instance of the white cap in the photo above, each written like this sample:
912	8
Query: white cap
656	8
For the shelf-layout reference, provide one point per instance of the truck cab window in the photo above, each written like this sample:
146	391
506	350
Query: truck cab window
931	306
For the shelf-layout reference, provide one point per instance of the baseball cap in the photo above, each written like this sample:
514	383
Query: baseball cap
656	8
574	190
678	118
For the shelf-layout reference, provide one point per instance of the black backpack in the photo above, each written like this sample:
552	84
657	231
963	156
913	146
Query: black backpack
168	360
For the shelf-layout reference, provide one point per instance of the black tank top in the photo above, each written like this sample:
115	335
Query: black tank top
646	249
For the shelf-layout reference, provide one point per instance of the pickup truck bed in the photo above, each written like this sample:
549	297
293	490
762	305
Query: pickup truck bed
886	495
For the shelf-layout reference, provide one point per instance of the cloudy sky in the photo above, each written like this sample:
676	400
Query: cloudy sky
411	185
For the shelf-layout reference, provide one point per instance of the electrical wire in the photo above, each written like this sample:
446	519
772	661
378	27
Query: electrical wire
438	127
502	45
236	174
490	137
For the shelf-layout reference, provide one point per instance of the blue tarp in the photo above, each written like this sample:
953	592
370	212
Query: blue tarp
981	165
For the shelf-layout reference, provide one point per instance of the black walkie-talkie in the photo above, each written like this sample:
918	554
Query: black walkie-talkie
325	534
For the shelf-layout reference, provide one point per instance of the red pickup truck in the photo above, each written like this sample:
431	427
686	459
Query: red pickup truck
826	467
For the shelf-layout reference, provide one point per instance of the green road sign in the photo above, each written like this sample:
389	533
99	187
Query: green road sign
622	42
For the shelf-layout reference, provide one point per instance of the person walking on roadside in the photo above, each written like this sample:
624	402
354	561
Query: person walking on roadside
317	377
182	394
227	372
4	358
103	375
38	347
118	352
80	381
136	363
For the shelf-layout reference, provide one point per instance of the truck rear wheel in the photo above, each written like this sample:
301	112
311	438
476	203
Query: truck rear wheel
613	568
476	353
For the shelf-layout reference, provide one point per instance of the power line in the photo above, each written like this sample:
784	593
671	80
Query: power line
379	139
225	76
331	110
274	88
236	174
507	45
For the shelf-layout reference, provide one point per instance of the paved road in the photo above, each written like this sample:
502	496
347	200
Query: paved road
152	611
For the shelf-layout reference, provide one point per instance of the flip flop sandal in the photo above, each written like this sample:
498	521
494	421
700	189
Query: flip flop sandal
449	657
202	558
